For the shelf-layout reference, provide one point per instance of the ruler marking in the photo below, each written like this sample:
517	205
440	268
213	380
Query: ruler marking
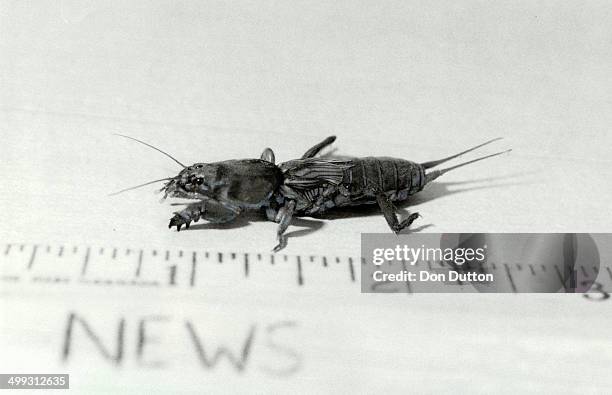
74	249
8	249
172	275
167	255
429	265
609	272
21	247
271	259
50	279
351	269
48	249
325	261
246	265
300	279
180	253
33	256
584	271
220	257
114	256
194	264
512	285
560	276
61	251
408	285
85	262
532	269
101	250
109	282
139	264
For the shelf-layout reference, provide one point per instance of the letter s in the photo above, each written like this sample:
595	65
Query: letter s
291	354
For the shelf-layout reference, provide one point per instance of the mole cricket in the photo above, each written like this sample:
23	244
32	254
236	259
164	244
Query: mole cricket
308	186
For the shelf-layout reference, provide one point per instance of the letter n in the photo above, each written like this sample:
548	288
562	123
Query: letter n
69	336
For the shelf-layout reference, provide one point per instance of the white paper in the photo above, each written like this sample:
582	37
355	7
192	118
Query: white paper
214	81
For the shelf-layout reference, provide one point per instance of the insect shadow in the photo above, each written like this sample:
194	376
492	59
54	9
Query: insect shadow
433	191
247	218
442	189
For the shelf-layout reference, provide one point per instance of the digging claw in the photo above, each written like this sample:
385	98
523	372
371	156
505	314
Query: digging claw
179	221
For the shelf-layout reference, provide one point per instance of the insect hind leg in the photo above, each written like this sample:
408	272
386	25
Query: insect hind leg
268	155
317	148
284	216
390	214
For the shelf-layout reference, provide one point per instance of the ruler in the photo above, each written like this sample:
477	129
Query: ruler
205	269
180	268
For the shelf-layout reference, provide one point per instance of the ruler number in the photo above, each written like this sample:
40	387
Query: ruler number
599	291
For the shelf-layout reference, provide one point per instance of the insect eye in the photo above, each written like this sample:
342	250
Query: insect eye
199	181
199	166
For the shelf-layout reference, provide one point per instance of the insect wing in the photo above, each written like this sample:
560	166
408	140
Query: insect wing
312	173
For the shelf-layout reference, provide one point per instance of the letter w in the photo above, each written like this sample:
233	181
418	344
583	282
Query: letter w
239	363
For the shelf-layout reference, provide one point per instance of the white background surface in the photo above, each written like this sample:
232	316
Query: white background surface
212	81
216	80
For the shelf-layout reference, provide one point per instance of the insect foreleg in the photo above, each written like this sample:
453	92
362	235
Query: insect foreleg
315	150
390	214
201	210
193	212
284	219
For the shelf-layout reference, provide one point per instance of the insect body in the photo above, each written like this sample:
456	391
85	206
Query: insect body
359	181
316	184
307	186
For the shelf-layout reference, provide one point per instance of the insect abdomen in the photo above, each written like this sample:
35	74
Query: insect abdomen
373	175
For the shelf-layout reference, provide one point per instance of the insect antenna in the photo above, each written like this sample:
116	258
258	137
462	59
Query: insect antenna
429	177
149	145
141	185
434	163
